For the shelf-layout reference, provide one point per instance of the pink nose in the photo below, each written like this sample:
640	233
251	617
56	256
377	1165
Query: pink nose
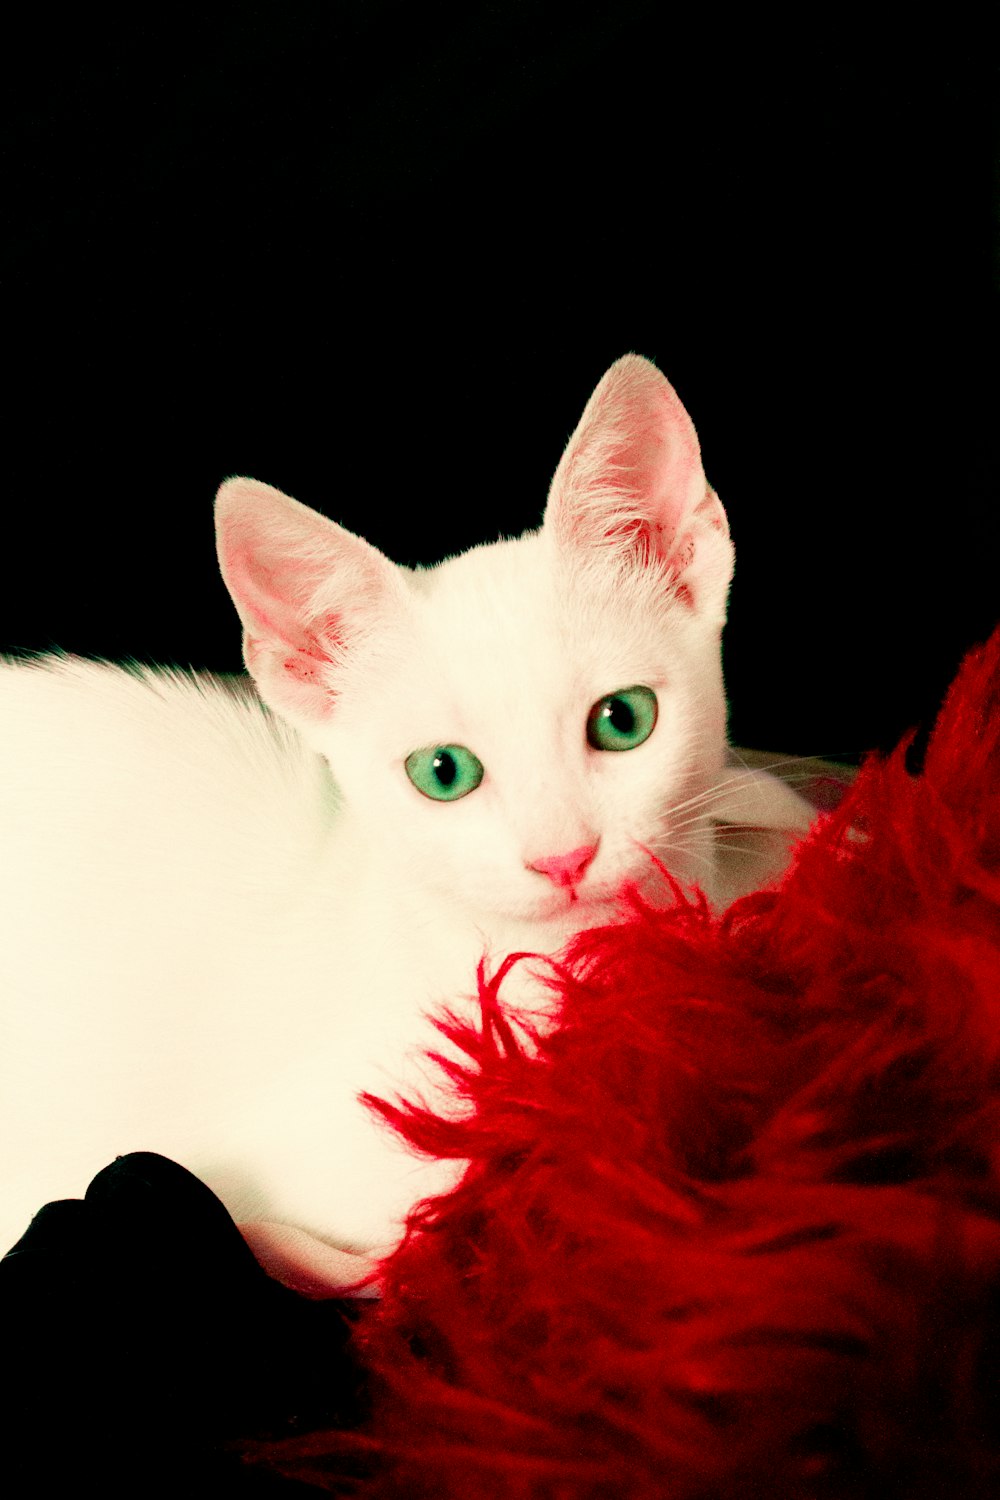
566	869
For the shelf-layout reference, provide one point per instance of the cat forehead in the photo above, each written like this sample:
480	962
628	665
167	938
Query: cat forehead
501	568
500	591
525	578
517	610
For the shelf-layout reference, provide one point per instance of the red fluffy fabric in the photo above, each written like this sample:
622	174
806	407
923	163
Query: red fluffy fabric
733	1229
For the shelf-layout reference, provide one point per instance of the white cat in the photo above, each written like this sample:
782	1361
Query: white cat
220	920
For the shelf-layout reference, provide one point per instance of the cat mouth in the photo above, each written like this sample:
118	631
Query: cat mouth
579	901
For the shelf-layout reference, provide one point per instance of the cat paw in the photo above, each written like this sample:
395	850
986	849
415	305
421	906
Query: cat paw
309	1265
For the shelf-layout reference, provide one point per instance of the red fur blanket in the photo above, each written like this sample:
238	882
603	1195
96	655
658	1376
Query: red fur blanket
733	1229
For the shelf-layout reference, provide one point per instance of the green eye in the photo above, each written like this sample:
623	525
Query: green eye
444	772
622	720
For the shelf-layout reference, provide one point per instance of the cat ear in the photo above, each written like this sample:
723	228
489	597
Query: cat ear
305	590
631	485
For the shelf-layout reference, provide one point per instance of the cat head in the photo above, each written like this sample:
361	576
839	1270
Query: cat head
517	726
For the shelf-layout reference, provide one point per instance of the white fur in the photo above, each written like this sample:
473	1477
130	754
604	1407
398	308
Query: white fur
220	920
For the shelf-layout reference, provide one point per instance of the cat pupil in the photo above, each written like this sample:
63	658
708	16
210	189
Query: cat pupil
445	768
621	716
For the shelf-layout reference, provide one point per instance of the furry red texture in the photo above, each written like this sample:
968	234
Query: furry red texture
733	1229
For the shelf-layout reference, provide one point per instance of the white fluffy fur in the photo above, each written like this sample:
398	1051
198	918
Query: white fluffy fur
222	920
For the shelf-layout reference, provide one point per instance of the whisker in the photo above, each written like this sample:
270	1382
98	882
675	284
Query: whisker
833	758
738	848
702	801
688	854
750	828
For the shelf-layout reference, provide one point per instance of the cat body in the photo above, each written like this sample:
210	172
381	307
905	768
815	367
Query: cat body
229	905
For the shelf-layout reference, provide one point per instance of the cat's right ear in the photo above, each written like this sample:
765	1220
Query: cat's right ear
305	589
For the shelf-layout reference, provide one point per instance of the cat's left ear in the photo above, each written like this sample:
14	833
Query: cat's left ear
306	590
630	486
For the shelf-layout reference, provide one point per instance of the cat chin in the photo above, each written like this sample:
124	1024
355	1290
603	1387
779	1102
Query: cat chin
552	912
581	908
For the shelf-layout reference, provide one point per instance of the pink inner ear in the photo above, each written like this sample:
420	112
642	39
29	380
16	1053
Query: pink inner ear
275	614
305	589
324	639
319	645
635	442
641	539
302	666
666	462
660	474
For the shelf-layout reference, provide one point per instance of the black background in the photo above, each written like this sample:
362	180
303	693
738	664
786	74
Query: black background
379	255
